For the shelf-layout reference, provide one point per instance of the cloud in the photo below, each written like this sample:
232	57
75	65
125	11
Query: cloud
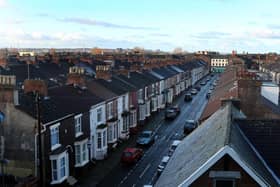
3	3
211	35
91	22
159	35
266	34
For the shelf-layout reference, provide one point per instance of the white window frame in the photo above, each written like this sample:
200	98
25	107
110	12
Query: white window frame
103	139
78	125
58	159
99	115
99	136
110	110
81	149
52	128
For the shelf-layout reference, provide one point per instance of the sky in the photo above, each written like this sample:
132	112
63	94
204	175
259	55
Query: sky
193	25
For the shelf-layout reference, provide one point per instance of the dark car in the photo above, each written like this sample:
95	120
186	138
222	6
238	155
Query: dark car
172	112
208	95
145	138
131	155
188	97
189	126
197	88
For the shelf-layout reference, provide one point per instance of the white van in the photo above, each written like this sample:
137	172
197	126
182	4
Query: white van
173	146
162	165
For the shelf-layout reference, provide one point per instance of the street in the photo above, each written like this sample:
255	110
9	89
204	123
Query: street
145	170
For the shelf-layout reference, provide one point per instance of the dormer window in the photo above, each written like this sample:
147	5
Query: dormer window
78	125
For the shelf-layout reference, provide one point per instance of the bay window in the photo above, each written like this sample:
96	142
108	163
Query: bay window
60	167
81	153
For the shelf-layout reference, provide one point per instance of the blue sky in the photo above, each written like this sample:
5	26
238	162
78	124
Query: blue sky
220	25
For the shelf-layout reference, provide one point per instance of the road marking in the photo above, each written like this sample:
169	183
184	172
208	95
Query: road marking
147	167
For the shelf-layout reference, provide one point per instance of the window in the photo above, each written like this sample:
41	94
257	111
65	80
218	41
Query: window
224	182
125	123
99	115
110	133
224	178
123	104
54	130
99	138
60	169
110	110
78	125
104	139
81	153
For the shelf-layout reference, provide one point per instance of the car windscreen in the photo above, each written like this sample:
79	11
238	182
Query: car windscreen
144	135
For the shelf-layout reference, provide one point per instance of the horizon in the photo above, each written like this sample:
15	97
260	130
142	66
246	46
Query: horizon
203	25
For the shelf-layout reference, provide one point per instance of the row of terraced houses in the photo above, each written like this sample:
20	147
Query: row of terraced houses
86	110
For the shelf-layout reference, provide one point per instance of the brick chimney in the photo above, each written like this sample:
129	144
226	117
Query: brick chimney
32	85
3	62
76	76
8	93
103	72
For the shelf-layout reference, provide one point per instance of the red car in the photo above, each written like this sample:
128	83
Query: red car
131	155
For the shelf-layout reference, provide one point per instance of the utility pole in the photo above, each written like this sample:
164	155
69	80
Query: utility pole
2	143
41	182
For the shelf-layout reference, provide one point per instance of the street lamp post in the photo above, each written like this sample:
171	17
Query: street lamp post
37	99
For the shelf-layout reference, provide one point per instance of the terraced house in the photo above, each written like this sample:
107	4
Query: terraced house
86	110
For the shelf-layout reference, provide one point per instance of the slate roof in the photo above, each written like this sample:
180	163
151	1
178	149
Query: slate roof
203	143
116	85
136	79
61	101
99	90
264	136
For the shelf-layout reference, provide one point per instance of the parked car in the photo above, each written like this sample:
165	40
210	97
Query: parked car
188	97
162	165
193	91
172	112
208	95
189	126
203	83
131	155
173	146
145	138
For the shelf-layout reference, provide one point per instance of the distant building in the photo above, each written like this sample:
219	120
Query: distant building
218	64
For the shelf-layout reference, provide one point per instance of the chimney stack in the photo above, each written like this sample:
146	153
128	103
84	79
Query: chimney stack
32	85
76	76
103	72
8	93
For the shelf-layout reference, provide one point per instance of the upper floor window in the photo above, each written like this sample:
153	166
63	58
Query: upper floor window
78	125
110	110
99	115
54	131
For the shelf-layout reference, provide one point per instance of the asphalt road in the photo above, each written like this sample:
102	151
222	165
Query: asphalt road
145	170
